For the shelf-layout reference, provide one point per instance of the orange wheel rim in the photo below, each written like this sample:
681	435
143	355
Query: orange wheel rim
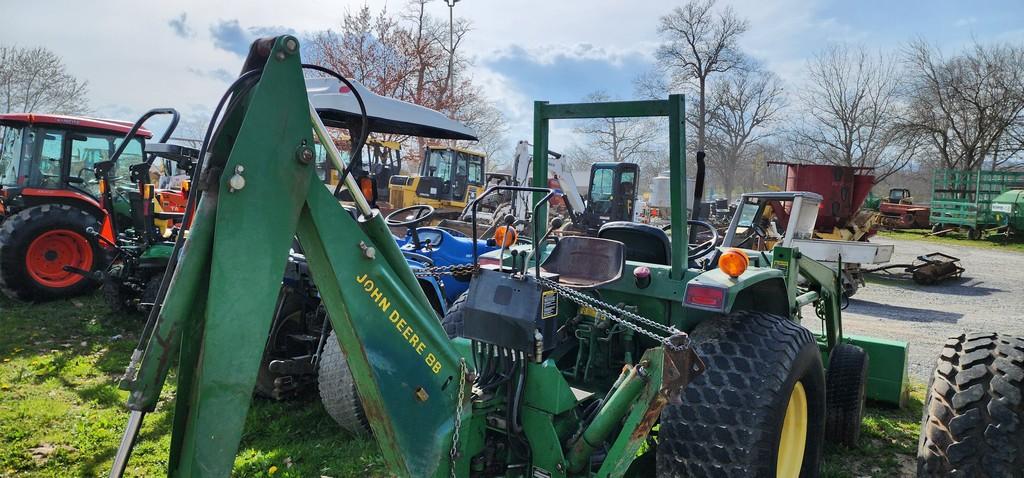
50	252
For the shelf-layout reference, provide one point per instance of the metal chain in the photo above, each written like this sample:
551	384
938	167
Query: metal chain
624	317
454	454
434	271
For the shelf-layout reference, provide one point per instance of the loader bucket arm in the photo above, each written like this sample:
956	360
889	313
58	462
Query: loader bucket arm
259	190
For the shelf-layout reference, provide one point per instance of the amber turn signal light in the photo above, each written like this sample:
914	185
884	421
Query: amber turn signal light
505	236
733	262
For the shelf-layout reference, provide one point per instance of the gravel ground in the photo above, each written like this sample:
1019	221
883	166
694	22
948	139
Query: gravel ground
989	297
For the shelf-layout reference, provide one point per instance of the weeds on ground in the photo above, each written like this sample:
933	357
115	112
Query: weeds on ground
61	413
957	239
888	442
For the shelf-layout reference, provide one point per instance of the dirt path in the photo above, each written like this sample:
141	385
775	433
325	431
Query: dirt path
989	297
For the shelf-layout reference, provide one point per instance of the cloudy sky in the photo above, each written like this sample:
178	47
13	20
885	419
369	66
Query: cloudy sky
140	55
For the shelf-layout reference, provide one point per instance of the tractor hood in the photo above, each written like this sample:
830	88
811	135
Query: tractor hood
338	108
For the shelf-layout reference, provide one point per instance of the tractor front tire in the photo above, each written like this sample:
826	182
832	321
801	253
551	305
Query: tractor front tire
115	294
38	242
759	408
338	390
846	384
973	423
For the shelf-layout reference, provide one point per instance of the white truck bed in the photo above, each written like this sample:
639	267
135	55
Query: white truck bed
851	252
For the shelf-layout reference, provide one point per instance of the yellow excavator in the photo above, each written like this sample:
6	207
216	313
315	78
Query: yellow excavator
449	178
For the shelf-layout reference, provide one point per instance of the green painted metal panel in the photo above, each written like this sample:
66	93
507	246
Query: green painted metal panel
888	381
274	127
545	444
546	389
540	162
157	251
678	193
394	344
617	109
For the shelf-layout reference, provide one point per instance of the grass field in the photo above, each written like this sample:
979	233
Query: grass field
956	239
61	413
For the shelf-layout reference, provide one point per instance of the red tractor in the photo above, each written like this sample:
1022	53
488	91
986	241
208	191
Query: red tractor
58	217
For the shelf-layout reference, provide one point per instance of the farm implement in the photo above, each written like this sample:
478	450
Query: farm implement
577	360
64	202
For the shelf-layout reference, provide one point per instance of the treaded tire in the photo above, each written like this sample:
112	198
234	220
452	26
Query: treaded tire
150	294
338	390
117	296
453	322
18	232
973	423
845	390
730	421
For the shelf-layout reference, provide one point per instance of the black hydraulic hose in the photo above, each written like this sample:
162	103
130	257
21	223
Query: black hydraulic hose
698	186
364	128
193	199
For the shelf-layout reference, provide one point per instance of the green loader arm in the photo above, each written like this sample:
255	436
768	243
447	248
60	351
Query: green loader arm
221	301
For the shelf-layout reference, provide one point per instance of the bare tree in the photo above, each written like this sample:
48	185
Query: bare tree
617	139
852	110
407	57
698	43
36	80
968	108
743	106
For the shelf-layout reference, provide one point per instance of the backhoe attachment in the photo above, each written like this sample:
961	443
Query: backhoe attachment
259	190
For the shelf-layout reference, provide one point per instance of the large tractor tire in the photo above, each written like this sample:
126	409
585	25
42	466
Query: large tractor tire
38	242
973	422
846	384
759	408
338	390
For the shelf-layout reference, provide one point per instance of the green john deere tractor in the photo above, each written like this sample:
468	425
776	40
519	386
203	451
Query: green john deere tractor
574	359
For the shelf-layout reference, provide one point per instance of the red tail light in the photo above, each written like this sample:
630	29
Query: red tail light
705	297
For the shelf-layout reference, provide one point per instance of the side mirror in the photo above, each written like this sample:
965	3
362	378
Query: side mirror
75	180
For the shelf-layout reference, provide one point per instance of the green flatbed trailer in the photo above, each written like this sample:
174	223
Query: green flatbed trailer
963	199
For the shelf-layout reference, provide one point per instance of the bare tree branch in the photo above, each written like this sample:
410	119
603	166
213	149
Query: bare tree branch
698	43
406	57
853	111
968	107
36	80
743	106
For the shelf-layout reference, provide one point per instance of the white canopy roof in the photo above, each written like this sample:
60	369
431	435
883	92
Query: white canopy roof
338	107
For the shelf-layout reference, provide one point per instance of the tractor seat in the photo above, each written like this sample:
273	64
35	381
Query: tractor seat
585	262
643	242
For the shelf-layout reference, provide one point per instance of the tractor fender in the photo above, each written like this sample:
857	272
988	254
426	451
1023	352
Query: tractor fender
758	289
36	197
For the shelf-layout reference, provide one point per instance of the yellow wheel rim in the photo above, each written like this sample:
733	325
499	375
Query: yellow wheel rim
794	435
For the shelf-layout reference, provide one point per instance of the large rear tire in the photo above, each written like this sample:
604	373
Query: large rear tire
37	243
338	390
973	423
759	408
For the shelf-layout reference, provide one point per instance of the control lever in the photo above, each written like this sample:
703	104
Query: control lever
92	232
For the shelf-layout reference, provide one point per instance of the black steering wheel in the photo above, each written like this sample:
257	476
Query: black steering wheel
696	251
703	248
409	217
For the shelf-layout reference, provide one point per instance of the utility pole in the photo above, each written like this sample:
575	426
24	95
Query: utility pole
451	49
451	57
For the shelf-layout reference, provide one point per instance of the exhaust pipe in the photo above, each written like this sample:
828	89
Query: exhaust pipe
698	187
